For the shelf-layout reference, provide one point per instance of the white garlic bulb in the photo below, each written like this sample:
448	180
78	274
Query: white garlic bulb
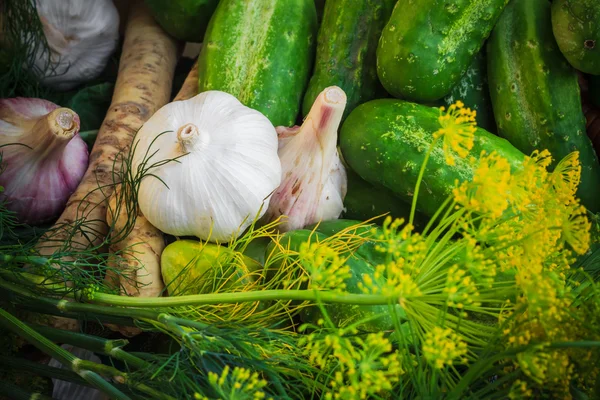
224	180
81	35
314	179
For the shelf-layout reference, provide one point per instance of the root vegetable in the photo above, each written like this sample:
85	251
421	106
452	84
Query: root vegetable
143	85
190	86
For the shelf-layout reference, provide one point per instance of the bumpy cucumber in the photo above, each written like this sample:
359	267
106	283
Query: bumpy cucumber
260	51
183	19
473	90
427	45
344	314
535	93
576	27
385	142
364	201
346	46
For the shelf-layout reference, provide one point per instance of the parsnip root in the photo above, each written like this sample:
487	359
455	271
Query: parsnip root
143	85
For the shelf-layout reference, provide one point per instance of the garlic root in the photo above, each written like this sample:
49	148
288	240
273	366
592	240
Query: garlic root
314	180
143	85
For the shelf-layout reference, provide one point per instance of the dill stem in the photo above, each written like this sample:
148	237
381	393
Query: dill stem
77	365
17	393
413	207
239	297
93	343
21	364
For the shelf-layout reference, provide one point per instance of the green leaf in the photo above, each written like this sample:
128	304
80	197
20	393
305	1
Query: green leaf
91	104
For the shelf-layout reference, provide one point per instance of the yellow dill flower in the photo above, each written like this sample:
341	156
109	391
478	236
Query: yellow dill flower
576	228
529	190
458	128
490	191
239	384
460	288
519	390
566	177
367	367
327	271
442	347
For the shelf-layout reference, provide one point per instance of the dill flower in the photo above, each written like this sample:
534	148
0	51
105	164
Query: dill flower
327	270
241	384
489	191
566	177
460	288
519	390
576	228
458	128
359	368
442	346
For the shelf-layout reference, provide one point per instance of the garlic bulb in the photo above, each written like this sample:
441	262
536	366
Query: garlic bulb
81	35
314	179
43	157
228	170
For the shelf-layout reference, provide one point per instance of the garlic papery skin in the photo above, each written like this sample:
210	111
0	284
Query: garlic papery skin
227	170
43	157
81	35
314	181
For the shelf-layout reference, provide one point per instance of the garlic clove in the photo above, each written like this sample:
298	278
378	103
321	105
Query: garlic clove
314	179
227	170
43	156
81	36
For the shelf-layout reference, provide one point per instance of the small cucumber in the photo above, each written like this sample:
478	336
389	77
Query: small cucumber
576	27
346	46
535	92
385	142
427	45
260	51
473	90
185	20
364	201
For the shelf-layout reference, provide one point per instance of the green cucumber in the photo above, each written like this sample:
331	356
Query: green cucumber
473	91
576	27
343	314
346	45
535	92
385	142
260	51
364	201
185	20
428	45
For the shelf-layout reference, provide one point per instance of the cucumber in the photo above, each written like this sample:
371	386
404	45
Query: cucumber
535	92
185	20
385	142
343	314
427	45
364	201
576	27
346	45
260	51
473	90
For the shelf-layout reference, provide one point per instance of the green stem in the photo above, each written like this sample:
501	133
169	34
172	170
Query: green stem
239	297
21	364
95	344
413	208
67	359
16	393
